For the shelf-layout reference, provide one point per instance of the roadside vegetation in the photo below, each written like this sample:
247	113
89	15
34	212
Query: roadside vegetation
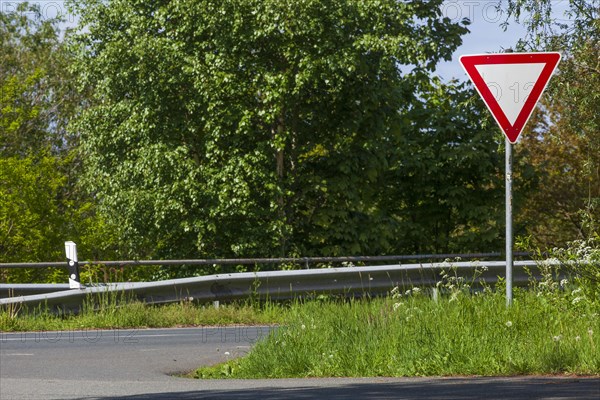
109	315
551	328
417	337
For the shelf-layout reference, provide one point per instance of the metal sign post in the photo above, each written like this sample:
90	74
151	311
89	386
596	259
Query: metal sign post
509	225
510	84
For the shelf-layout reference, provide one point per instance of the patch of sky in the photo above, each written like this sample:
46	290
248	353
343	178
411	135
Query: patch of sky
491	30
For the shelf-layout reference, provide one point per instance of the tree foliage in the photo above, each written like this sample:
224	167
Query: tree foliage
252	128
445	189
564	145
36	91
41	205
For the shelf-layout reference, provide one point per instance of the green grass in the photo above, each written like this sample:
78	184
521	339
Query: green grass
138	315
411	335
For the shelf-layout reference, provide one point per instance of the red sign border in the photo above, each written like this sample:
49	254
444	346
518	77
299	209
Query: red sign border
512	132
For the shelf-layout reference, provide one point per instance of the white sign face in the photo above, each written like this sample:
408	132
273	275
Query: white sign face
510	84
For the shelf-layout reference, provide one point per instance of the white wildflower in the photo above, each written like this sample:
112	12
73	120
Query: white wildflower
303	327
563	282
454	296
576	300
577	338
509	324
396	305
557	338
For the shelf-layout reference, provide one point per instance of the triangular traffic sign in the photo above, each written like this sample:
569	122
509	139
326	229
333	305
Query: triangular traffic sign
510	84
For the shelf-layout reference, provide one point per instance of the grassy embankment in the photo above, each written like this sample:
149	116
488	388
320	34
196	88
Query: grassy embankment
415	336
551	328
107	315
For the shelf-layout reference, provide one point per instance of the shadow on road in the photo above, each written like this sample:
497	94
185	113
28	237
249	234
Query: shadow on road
446	389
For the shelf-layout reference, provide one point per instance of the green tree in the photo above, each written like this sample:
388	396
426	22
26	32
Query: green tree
445	190
37	95
251	127
41	204
29	213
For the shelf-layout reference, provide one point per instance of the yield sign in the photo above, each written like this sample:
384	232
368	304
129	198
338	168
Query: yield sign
510	84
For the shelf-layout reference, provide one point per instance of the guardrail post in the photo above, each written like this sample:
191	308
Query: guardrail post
73	265
435	294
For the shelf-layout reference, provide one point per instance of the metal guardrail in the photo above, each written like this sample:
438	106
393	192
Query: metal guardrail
306	261
281	285
28	289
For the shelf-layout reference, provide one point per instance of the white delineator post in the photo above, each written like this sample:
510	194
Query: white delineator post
73	265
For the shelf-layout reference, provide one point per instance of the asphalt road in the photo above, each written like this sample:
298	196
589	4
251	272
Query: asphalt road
139	364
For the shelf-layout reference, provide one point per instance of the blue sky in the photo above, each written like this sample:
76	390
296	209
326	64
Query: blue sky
487	35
